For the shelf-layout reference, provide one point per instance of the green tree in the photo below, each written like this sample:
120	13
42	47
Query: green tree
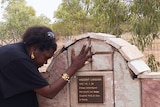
73	17
18	17
109	15
145	22
80	16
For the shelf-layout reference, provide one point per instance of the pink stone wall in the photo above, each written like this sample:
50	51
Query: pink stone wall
56	68
150	92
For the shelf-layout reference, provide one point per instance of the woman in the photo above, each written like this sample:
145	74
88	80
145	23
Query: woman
20	79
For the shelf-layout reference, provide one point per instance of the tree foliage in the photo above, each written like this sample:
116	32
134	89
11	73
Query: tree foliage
109	15
80	16
145	22
18	16
73	17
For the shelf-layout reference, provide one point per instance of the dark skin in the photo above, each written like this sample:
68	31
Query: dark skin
41	58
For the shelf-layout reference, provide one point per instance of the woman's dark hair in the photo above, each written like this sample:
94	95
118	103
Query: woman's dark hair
41	36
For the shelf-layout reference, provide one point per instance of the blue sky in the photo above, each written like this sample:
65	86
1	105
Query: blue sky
46	7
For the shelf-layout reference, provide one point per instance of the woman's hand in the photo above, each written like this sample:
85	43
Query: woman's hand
78	61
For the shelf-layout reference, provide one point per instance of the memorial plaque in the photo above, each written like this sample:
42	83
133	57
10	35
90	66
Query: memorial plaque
90	89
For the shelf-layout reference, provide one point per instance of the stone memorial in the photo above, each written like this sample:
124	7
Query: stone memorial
117	76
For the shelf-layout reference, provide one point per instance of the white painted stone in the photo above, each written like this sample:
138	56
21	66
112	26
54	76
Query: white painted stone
131	52
102	62
117	42
149	75
108	35
127	91
101	36
100	46
138	66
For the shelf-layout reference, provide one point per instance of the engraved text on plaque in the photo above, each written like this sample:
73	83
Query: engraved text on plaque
90	89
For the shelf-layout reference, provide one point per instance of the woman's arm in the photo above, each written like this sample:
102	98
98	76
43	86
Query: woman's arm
78	62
